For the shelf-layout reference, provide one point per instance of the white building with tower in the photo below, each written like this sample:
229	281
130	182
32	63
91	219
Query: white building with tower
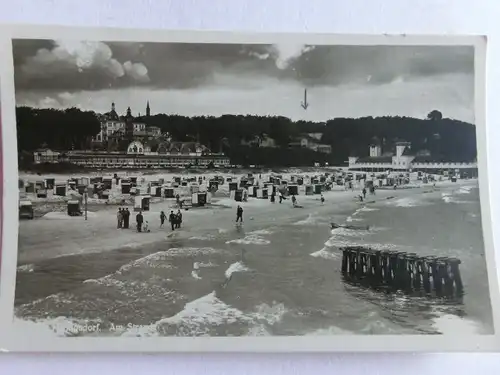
405	160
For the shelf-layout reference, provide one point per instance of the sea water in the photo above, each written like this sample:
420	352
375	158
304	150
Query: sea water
281	279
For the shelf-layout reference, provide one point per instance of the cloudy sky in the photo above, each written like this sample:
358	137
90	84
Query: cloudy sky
216	79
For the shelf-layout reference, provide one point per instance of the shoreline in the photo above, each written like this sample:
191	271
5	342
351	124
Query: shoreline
101	226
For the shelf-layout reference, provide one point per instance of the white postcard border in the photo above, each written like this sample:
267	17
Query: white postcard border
10	340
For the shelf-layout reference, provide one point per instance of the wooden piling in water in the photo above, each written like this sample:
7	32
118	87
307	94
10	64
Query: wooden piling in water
398	270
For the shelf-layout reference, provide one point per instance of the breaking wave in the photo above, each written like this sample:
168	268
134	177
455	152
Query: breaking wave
203	315
325	254
26	268
310	220
235	267
251	239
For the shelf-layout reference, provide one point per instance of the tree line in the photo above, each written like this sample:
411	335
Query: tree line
444	138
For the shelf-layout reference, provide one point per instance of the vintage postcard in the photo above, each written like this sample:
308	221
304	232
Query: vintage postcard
202	191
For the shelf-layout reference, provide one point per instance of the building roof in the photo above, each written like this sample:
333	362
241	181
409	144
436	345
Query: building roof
181	147
407	152
375	159
101	155
433	159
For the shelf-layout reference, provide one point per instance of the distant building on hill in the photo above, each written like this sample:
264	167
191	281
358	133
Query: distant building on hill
311	141
259	141
115	127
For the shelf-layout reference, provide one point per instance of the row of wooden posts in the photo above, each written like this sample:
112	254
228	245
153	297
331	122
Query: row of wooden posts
407	272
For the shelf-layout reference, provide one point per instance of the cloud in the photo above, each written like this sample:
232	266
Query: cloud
265	78
77	64
137	71
285	53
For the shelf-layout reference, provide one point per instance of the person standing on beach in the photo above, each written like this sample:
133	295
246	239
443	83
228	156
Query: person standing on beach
171	219
178	217
139	220
364	192
126	218
119	218
322	199
239	214
162	219
294	201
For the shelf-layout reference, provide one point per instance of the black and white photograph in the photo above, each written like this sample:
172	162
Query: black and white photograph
227	189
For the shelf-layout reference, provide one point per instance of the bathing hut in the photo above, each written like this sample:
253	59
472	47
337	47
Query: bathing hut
83	181
126	187
143	190
107	182
157	192
199	199
213	185
453	178
318	188
74	208
60	190
309	190
50	182
41	193
194	188
237	195
263	193
233	186
30	187
244	182
252	191
141	203
168	192
104	194
293	189
26	210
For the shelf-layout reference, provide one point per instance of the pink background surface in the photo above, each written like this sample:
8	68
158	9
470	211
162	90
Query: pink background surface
348	16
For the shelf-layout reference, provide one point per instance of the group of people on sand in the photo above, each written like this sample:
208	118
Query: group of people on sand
175	219
123	218
362	197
